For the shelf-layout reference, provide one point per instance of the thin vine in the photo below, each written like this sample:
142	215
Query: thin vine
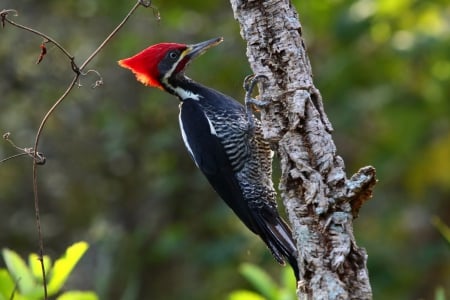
38	157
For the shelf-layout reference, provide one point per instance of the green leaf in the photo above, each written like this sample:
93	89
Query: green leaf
287	294
288	280
19	272
6	284
35	265
260	280
245	295
78	295
64	266
439	294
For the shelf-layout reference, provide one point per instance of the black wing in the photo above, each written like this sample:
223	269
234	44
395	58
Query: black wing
210	157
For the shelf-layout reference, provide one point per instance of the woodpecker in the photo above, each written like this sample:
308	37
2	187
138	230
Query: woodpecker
224	141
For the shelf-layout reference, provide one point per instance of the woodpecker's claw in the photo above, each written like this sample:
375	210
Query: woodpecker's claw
247	80
251	80
249	84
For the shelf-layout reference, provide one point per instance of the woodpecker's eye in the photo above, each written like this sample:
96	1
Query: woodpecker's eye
173	54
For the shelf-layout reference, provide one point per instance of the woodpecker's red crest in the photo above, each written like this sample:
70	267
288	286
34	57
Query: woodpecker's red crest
152	65
145	64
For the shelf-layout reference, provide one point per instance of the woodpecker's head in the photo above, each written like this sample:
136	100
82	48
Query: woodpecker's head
156	64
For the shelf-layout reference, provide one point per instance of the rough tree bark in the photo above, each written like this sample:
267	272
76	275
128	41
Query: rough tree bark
321	202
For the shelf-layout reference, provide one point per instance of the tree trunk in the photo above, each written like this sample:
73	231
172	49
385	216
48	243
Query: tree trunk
321	202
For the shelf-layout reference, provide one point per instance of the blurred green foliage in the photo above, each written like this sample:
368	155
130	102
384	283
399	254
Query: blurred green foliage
265	286
25	282
118	176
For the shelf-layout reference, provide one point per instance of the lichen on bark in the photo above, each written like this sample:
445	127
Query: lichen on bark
320	200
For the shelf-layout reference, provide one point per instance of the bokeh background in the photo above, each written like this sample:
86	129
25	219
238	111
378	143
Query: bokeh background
118	176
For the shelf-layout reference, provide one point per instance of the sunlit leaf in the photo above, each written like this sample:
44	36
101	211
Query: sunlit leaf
245	295
35	265
439	294
7	287
64	266
431	22
289	285
288	278
6	284
19	271
287	294
260	280
389	7
78	295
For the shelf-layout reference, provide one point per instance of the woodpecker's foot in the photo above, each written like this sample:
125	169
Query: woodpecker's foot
249	84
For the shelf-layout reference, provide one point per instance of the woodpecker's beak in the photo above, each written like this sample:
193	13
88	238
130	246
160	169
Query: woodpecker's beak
192	51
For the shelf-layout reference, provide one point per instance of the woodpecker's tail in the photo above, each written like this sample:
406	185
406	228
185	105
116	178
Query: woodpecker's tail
278	237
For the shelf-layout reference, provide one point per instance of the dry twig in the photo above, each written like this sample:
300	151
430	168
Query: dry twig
38	158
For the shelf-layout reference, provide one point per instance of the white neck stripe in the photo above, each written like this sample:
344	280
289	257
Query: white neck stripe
186	94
